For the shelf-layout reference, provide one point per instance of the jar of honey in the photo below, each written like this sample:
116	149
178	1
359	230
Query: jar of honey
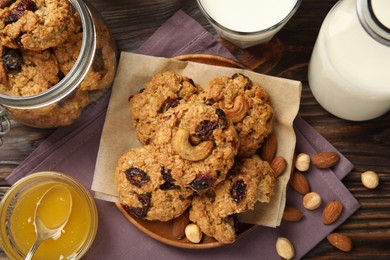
17	212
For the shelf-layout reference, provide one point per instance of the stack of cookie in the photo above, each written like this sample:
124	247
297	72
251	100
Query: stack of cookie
198	152
40	41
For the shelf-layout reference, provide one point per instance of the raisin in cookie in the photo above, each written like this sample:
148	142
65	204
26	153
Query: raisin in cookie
36	24
246	104
197	143
146	188
165	90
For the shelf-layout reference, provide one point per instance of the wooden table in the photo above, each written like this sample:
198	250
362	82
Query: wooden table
366	144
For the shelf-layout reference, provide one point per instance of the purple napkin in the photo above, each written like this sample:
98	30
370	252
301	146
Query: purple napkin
73	150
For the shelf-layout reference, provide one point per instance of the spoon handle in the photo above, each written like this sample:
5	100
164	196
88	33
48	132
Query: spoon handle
33	249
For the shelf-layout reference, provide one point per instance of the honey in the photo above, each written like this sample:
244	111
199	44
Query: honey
73	235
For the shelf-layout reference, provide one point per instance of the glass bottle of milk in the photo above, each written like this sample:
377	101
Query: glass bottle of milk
349	70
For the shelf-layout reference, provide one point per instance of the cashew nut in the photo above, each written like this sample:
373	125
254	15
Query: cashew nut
183	147
239	109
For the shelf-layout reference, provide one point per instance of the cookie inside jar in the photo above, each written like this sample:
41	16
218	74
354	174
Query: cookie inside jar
57	57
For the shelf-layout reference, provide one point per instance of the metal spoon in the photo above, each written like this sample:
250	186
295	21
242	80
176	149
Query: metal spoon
41	219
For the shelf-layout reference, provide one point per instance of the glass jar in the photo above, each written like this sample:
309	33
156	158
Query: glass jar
17	207
349	67
81	69
249	22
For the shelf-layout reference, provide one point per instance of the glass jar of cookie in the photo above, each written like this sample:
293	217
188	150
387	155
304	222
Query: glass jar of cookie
57	57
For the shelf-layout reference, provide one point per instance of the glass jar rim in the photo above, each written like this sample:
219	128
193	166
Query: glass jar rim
370	22
72	79
37	177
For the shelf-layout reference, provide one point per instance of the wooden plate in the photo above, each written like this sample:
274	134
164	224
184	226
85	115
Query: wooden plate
211	60
162	231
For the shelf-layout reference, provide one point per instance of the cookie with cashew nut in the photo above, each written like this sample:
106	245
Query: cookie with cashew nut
246	104
146	188
197	143
164	91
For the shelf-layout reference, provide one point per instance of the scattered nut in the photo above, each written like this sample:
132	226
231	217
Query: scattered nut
239	109
325	160
183	147
278	165
269	147
299	183
332	212
293	214
312	200
193	233
179	225
340	241
284	248
302	162
370	179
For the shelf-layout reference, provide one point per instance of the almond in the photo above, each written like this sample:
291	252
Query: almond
292	214
268	149
278	165
340	241
332	212
299	183
325	159
179	225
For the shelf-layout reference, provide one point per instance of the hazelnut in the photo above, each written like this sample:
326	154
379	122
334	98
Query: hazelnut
312	200
302	162
370	179
284	248
193	233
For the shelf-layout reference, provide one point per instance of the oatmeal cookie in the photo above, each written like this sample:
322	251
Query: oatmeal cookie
249	180
36	24
223	229
27	73
54	115
146	188
246	104
165	90
102	71
197	143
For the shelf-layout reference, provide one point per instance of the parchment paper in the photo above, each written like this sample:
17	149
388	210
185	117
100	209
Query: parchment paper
118	135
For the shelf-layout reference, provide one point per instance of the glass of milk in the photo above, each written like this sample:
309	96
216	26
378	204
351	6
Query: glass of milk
248	22
349	70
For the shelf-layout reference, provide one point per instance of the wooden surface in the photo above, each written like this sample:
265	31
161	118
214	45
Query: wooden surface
366	144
